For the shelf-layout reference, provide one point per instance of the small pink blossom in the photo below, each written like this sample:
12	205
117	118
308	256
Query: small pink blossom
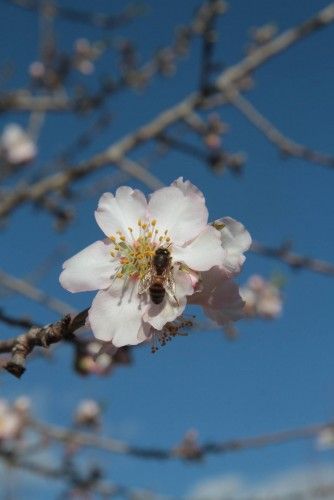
88	413
174	219
16	145
95	358
85	53
13	418
262	298
37	70
189	448
325	438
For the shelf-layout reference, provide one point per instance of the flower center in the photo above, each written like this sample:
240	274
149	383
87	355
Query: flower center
135	255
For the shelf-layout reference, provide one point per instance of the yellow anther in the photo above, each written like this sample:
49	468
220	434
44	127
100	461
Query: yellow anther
166	231
119	275
144	226
139	222
130	229
156	231
168	239
112	238
112	254
117	247
122	238
161	238
153	222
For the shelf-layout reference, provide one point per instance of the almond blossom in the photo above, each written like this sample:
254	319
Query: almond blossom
262	298
88	413
13	418
16	145
325	438
174	219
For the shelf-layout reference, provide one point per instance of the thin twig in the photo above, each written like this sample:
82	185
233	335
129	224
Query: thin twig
16	322
22	287
115	153
97	19
88	483
118	447
285	145
295	261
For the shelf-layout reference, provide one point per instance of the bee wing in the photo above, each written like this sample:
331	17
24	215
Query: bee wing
145	282
170	285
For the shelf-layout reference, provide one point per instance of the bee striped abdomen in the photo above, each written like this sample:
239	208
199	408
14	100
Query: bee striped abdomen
157	292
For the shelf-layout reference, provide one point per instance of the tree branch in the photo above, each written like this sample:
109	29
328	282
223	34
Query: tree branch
115	153
284	144
295	261
21	346
24	288
218	447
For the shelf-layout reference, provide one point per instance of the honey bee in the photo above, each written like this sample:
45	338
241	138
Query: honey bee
159	279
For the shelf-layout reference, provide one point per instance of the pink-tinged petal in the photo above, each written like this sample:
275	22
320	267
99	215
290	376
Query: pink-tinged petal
208	283
203	252
235	240
227	301
180	211
158	315
219	297
119	212
187	188
231	311
90	269
116	314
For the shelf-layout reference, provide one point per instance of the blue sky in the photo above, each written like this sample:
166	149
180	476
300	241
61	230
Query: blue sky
276	375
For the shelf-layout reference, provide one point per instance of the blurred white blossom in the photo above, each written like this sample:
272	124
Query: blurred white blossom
325	439
16	146
88	413
262	298
13	418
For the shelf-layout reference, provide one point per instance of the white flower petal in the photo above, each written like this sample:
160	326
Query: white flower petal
235	240
187	188
119	212
90	269
203	252
180	211
116	314
159	314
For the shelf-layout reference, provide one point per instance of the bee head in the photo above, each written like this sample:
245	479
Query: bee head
162	251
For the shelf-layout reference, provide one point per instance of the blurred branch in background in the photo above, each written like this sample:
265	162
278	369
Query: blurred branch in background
293	260
97	19
188	449
116	153
22	287
23	438
286	146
